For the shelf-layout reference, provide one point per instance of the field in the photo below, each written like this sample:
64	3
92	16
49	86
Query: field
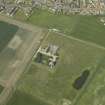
82	27
21	98
1	88
94	94
88	28
81	48
10	56
55	87
15	40
20	15
7	31
19	48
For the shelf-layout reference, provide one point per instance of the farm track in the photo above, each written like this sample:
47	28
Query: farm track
84	89
10	84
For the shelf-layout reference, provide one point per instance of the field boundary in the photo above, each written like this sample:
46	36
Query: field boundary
82	41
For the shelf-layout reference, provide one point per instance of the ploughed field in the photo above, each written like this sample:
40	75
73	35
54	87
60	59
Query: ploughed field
77	65
7	31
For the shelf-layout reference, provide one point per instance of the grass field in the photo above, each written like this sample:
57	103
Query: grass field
88	28
94	94
7	31
20	15
1	88
55	87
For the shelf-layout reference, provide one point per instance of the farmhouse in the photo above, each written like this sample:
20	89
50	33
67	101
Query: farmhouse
48	55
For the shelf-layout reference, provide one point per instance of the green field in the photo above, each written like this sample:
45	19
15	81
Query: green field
7	31
21	98
88	28
39	86
54	87
20	15
1	88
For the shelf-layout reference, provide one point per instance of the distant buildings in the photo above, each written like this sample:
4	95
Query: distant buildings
83	7
47	55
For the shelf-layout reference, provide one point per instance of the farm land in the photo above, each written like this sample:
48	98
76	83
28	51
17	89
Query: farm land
55	86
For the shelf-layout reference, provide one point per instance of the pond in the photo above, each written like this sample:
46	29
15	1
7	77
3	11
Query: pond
80	81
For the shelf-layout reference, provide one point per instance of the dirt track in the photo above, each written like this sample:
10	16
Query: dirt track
28	51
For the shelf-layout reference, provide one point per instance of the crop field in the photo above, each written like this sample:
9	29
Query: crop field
56	86
7	31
